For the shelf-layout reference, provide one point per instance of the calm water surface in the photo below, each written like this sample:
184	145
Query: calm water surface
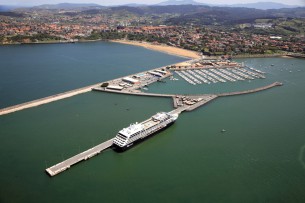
258	159
29	72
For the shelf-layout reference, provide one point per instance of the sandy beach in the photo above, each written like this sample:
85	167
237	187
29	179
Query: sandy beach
162	48
285	56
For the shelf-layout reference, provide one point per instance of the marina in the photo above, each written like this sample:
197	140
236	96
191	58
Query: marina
182	75
242	74
215	75
225	77
257	75
201	77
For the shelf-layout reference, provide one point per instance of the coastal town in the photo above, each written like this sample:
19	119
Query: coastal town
62	26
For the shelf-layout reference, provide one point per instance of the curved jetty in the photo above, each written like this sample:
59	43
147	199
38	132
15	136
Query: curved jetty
251	91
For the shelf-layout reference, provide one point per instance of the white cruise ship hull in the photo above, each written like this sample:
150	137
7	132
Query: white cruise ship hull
141	139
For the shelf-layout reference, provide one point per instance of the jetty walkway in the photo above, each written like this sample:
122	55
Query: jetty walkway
45	100
251	91
62	166
135	92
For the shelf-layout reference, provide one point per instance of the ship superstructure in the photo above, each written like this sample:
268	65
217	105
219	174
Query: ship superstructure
138	131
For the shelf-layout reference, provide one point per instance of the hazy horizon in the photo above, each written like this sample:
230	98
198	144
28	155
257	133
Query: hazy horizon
121	2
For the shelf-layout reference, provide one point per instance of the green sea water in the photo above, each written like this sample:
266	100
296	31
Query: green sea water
258	159
29	72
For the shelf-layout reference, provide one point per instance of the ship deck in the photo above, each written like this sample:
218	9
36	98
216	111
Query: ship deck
149	123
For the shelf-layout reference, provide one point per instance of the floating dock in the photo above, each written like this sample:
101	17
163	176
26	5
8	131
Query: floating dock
62	166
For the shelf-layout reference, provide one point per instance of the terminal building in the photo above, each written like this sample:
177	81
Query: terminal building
161	71
155	73
131	80
115	87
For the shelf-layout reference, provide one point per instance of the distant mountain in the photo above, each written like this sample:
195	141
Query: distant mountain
231	15
258	5
179	2
7	8
177	14
11	14
134	5
264	5
67	6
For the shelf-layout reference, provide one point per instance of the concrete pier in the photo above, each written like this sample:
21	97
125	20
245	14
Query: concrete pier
139	93
204	101
62	166
46	100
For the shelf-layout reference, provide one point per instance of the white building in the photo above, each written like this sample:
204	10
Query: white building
131	80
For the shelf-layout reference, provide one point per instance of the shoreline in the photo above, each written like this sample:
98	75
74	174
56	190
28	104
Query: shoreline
180	52
162	48
51	42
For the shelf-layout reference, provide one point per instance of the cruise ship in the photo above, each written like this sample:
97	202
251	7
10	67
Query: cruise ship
138	131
